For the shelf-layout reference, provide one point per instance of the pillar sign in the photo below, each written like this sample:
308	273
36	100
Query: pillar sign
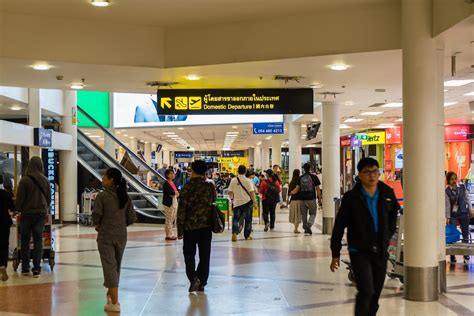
50	170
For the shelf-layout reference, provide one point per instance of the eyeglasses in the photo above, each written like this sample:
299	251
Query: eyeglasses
375	172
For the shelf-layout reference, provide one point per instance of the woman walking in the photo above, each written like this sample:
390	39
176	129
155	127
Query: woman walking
294	201
113	212
270	191
170	202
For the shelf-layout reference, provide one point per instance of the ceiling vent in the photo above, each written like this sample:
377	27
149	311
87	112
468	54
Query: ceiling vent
287	79
330	93
376	105
380	90
159	84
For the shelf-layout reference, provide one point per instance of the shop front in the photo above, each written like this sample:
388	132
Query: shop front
393	159
458	149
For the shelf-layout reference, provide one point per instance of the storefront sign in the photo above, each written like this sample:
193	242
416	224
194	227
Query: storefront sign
355	142
183	154
394	135
374	138
345	141
43	137
237	153
361	136
51	162
235	101
455	133
268	128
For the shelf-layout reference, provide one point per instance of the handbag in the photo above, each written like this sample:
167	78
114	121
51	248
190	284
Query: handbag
217	219
452	234
251	201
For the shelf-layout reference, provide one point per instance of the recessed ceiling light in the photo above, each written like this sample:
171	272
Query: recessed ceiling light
168	133
349	103
338	66
16	108
316	85
392	105
125	135
180	128
449	103
344	126
385	126
399	120
86	133
446	90
469	94
269	137
457	83
353	120
94	136
142	141
124	130
100	3
314	120
370	113
77	86
193	77
41	66
259	143
131	137
118	132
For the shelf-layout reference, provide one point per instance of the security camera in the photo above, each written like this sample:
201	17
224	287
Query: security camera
59	78
188	147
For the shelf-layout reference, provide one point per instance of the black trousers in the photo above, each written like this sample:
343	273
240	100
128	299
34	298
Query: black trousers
369	272
4	241
31	224
269	209
202	239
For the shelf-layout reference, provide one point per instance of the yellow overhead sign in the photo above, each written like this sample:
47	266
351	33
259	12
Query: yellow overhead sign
374	138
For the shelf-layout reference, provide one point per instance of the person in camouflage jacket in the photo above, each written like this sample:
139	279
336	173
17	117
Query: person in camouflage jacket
194	225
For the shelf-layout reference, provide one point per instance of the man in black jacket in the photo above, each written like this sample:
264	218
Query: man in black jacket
369	211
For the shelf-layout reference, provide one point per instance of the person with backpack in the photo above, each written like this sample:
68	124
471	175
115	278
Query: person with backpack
170	203
308	190
6	206
33	200
113	212
458	208
270	190
242	194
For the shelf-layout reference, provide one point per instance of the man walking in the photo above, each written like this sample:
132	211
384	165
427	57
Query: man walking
194	225
308	187
242	194
369	212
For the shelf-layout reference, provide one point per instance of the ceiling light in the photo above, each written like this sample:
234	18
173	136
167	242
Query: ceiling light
344	126
118	132
125	135
86	133
131	137
446	90
235	127
94	136
469	94
316	85
232	133
269	137
338	67
180	128
168	133
16	108
314	120
259	143
399	120
142	141
385	126
41	66
457	83
77	86
124	130
393	105
147	142
101	139
349	103
353	120
370	113
447	124
100	3
449	103
193	77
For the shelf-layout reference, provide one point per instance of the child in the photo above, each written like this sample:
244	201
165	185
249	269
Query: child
113	212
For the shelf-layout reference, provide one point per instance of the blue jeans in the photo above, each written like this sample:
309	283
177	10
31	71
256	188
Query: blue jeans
31	224
245	211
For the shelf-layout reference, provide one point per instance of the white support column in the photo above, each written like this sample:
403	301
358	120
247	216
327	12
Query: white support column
34	116
251	156
265	155
440	195
166	158
294	150
68	162
420	119
147	155
133	144
257	159
330	160
277	141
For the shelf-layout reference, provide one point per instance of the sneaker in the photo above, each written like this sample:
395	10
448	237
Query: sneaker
194	285
36	274
234	237
248	238
266	227
114	308
201	288
3	274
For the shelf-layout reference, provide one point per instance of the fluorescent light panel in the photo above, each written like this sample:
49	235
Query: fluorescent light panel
457	83
370	113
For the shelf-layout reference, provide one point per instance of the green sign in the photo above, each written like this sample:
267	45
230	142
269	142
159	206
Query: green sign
362	136
223	204
97	105
235	101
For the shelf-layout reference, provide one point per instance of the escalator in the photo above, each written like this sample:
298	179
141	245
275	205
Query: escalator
147	201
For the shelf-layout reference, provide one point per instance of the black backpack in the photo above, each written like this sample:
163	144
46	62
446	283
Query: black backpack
273	194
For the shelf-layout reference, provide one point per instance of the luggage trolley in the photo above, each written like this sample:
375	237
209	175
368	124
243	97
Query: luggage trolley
87	203
48	244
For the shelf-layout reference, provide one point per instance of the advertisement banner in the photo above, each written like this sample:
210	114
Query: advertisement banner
455	133
374	138
394	135
142	110
457	158
345	141
355	142
235	101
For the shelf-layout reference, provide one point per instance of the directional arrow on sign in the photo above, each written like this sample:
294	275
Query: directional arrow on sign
165	102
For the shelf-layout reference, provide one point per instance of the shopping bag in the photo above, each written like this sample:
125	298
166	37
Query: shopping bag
452	234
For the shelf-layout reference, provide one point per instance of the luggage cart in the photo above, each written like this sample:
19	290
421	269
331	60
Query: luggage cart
48	244
87	203
395	258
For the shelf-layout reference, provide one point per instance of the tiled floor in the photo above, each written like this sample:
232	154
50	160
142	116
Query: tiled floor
278	273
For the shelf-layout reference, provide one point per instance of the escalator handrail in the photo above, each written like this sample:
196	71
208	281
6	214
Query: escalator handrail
122	168
129	151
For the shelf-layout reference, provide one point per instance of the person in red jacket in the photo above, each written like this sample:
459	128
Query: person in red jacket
270	190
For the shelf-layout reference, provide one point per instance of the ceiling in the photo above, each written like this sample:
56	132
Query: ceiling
163	13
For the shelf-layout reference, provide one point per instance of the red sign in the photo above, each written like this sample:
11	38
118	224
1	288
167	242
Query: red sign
388	165
393	135
456	132
345	141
